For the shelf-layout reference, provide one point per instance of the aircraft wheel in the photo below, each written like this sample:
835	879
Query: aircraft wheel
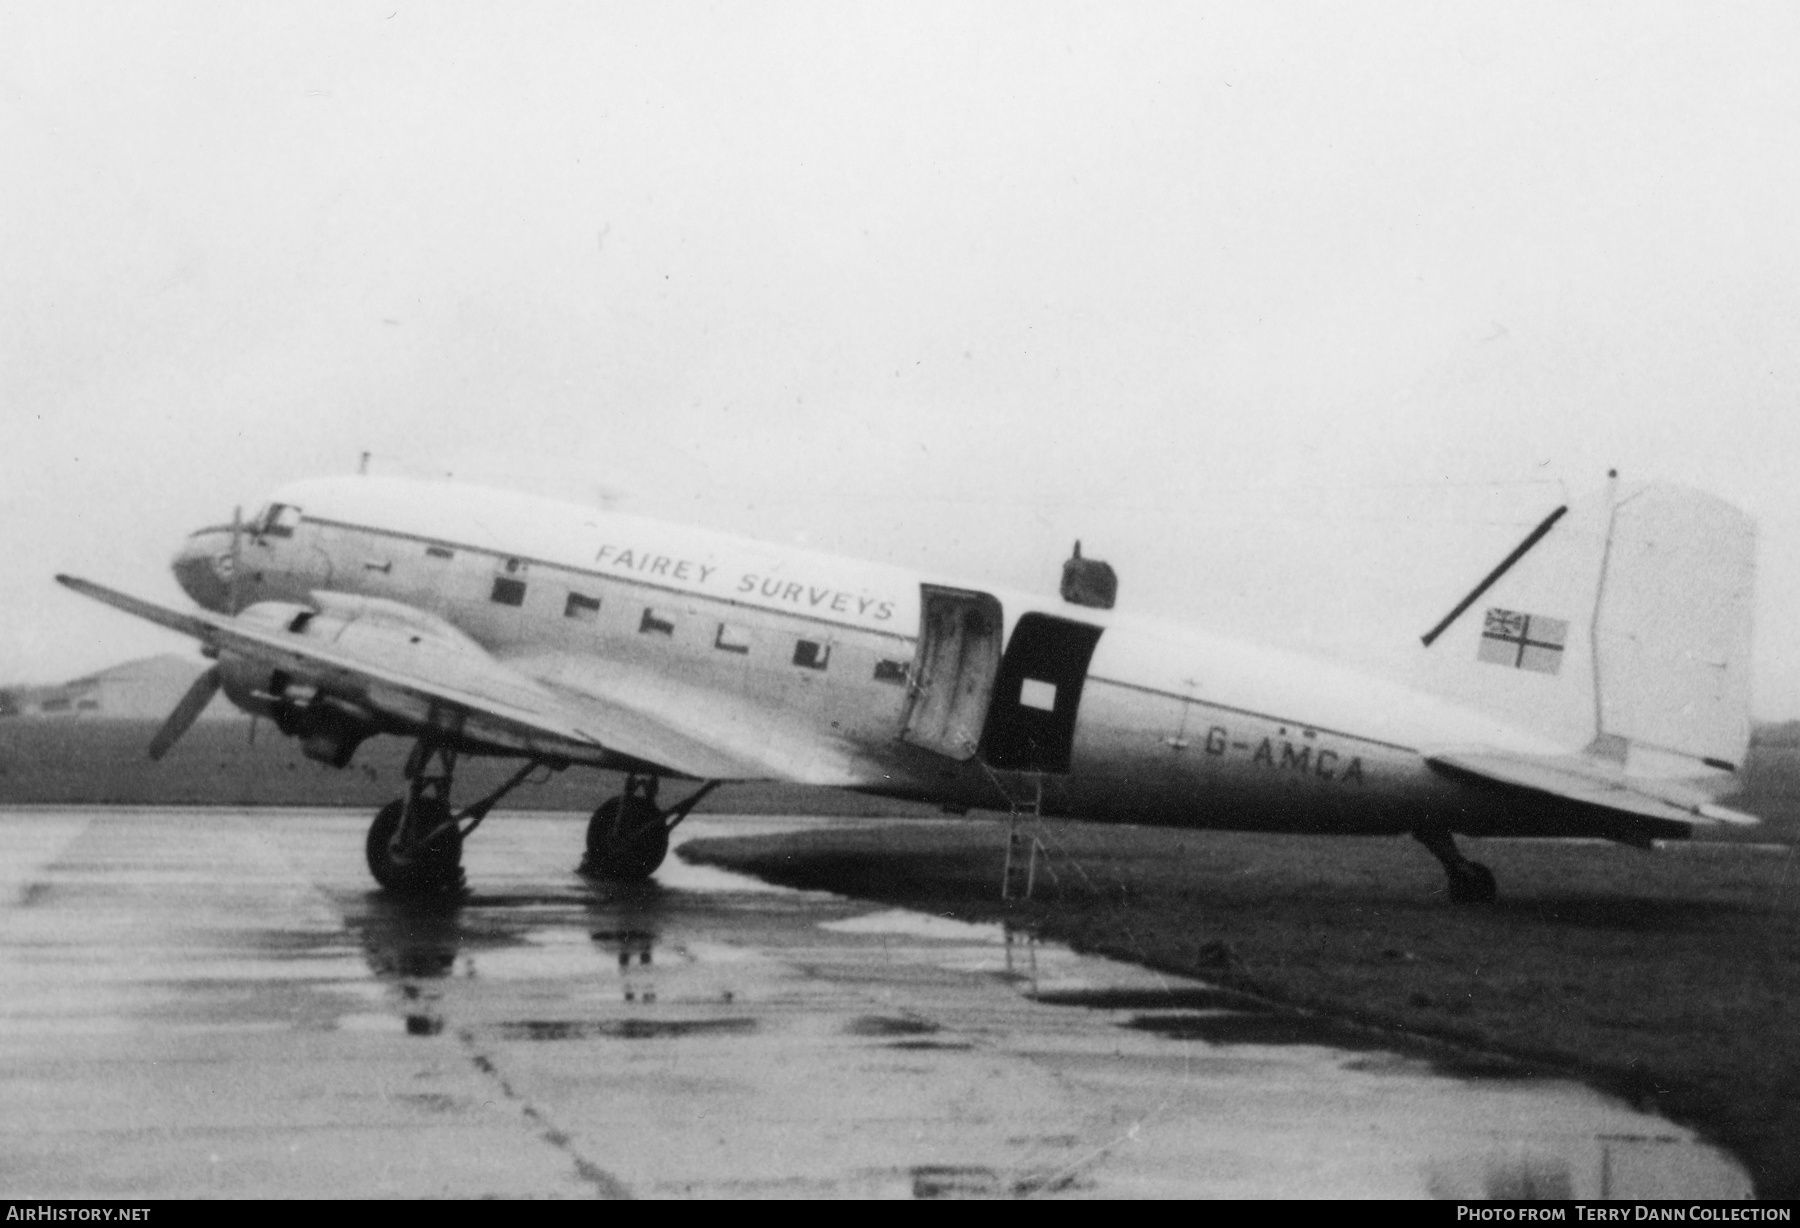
433	870
626	839
1473	883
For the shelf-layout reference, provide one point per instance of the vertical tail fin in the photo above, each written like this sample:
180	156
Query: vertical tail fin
1623	632
1672	636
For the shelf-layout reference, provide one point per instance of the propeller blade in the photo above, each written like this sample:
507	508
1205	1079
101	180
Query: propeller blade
186	712
237	559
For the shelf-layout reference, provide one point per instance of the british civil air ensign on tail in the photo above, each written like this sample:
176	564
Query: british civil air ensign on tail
1523	641
1598	689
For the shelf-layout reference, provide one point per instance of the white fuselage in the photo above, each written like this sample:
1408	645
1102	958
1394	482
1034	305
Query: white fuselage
806	663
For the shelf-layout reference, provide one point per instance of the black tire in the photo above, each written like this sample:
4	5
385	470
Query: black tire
627	840
1473	883
434	870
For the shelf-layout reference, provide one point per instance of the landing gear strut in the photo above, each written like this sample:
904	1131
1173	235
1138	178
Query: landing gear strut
414	846
628	837
1470	881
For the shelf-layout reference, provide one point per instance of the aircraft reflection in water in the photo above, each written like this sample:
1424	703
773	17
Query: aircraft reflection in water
426	946
418	943
1595	684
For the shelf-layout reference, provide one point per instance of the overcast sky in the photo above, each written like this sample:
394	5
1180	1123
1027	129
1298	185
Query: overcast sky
1301	315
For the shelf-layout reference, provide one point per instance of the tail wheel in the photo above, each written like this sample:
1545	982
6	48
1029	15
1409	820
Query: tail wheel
431	869
627	839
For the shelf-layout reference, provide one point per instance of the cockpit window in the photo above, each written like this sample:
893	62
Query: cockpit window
278	520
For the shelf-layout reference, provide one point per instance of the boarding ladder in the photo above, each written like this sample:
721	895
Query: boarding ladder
1024	841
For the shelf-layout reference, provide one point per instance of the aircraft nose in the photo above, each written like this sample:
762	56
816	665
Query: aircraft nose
203	568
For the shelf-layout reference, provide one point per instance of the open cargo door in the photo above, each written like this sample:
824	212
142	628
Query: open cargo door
954	670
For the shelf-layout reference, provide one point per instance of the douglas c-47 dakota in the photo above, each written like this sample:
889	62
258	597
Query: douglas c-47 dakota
1594	684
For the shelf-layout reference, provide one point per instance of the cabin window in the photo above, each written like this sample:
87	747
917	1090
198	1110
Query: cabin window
1036	693
439	552
507	591
654	624
811	654
891	671
582	607
732	638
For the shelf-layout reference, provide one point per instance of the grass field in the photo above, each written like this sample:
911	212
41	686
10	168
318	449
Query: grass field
103	762
1670	978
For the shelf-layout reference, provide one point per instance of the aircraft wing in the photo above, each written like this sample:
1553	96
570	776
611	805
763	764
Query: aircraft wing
441	688
1589	782
739	737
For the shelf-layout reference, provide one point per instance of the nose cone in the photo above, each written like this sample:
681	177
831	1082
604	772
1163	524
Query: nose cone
203	568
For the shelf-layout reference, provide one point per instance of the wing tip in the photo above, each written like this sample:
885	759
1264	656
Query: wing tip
87	588
1724	814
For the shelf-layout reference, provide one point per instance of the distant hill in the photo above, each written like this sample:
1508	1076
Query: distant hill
137	690
1787	733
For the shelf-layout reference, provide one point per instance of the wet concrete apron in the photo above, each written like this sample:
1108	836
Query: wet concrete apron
198	1003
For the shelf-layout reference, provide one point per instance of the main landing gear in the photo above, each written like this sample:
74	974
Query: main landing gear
628	837
415	845
1470	881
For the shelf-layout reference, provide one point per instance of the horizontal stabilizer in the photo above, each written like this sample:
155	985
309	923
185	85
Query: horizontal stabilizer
1590	782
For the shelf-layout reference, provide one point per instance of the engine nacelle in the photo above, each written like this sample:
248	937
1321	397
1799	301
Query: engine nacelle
330	728
332	723
254	687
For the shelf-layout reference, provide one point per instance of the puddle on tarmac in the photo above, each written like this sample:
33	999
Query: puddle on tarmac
1263	1027
630	946
392	1025
919	925
1170	998
941	1181
371	1022
521	936
946	1181
286	943
881	1025
691	876
1529	1179
1273	1025
620	1029
1051	974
